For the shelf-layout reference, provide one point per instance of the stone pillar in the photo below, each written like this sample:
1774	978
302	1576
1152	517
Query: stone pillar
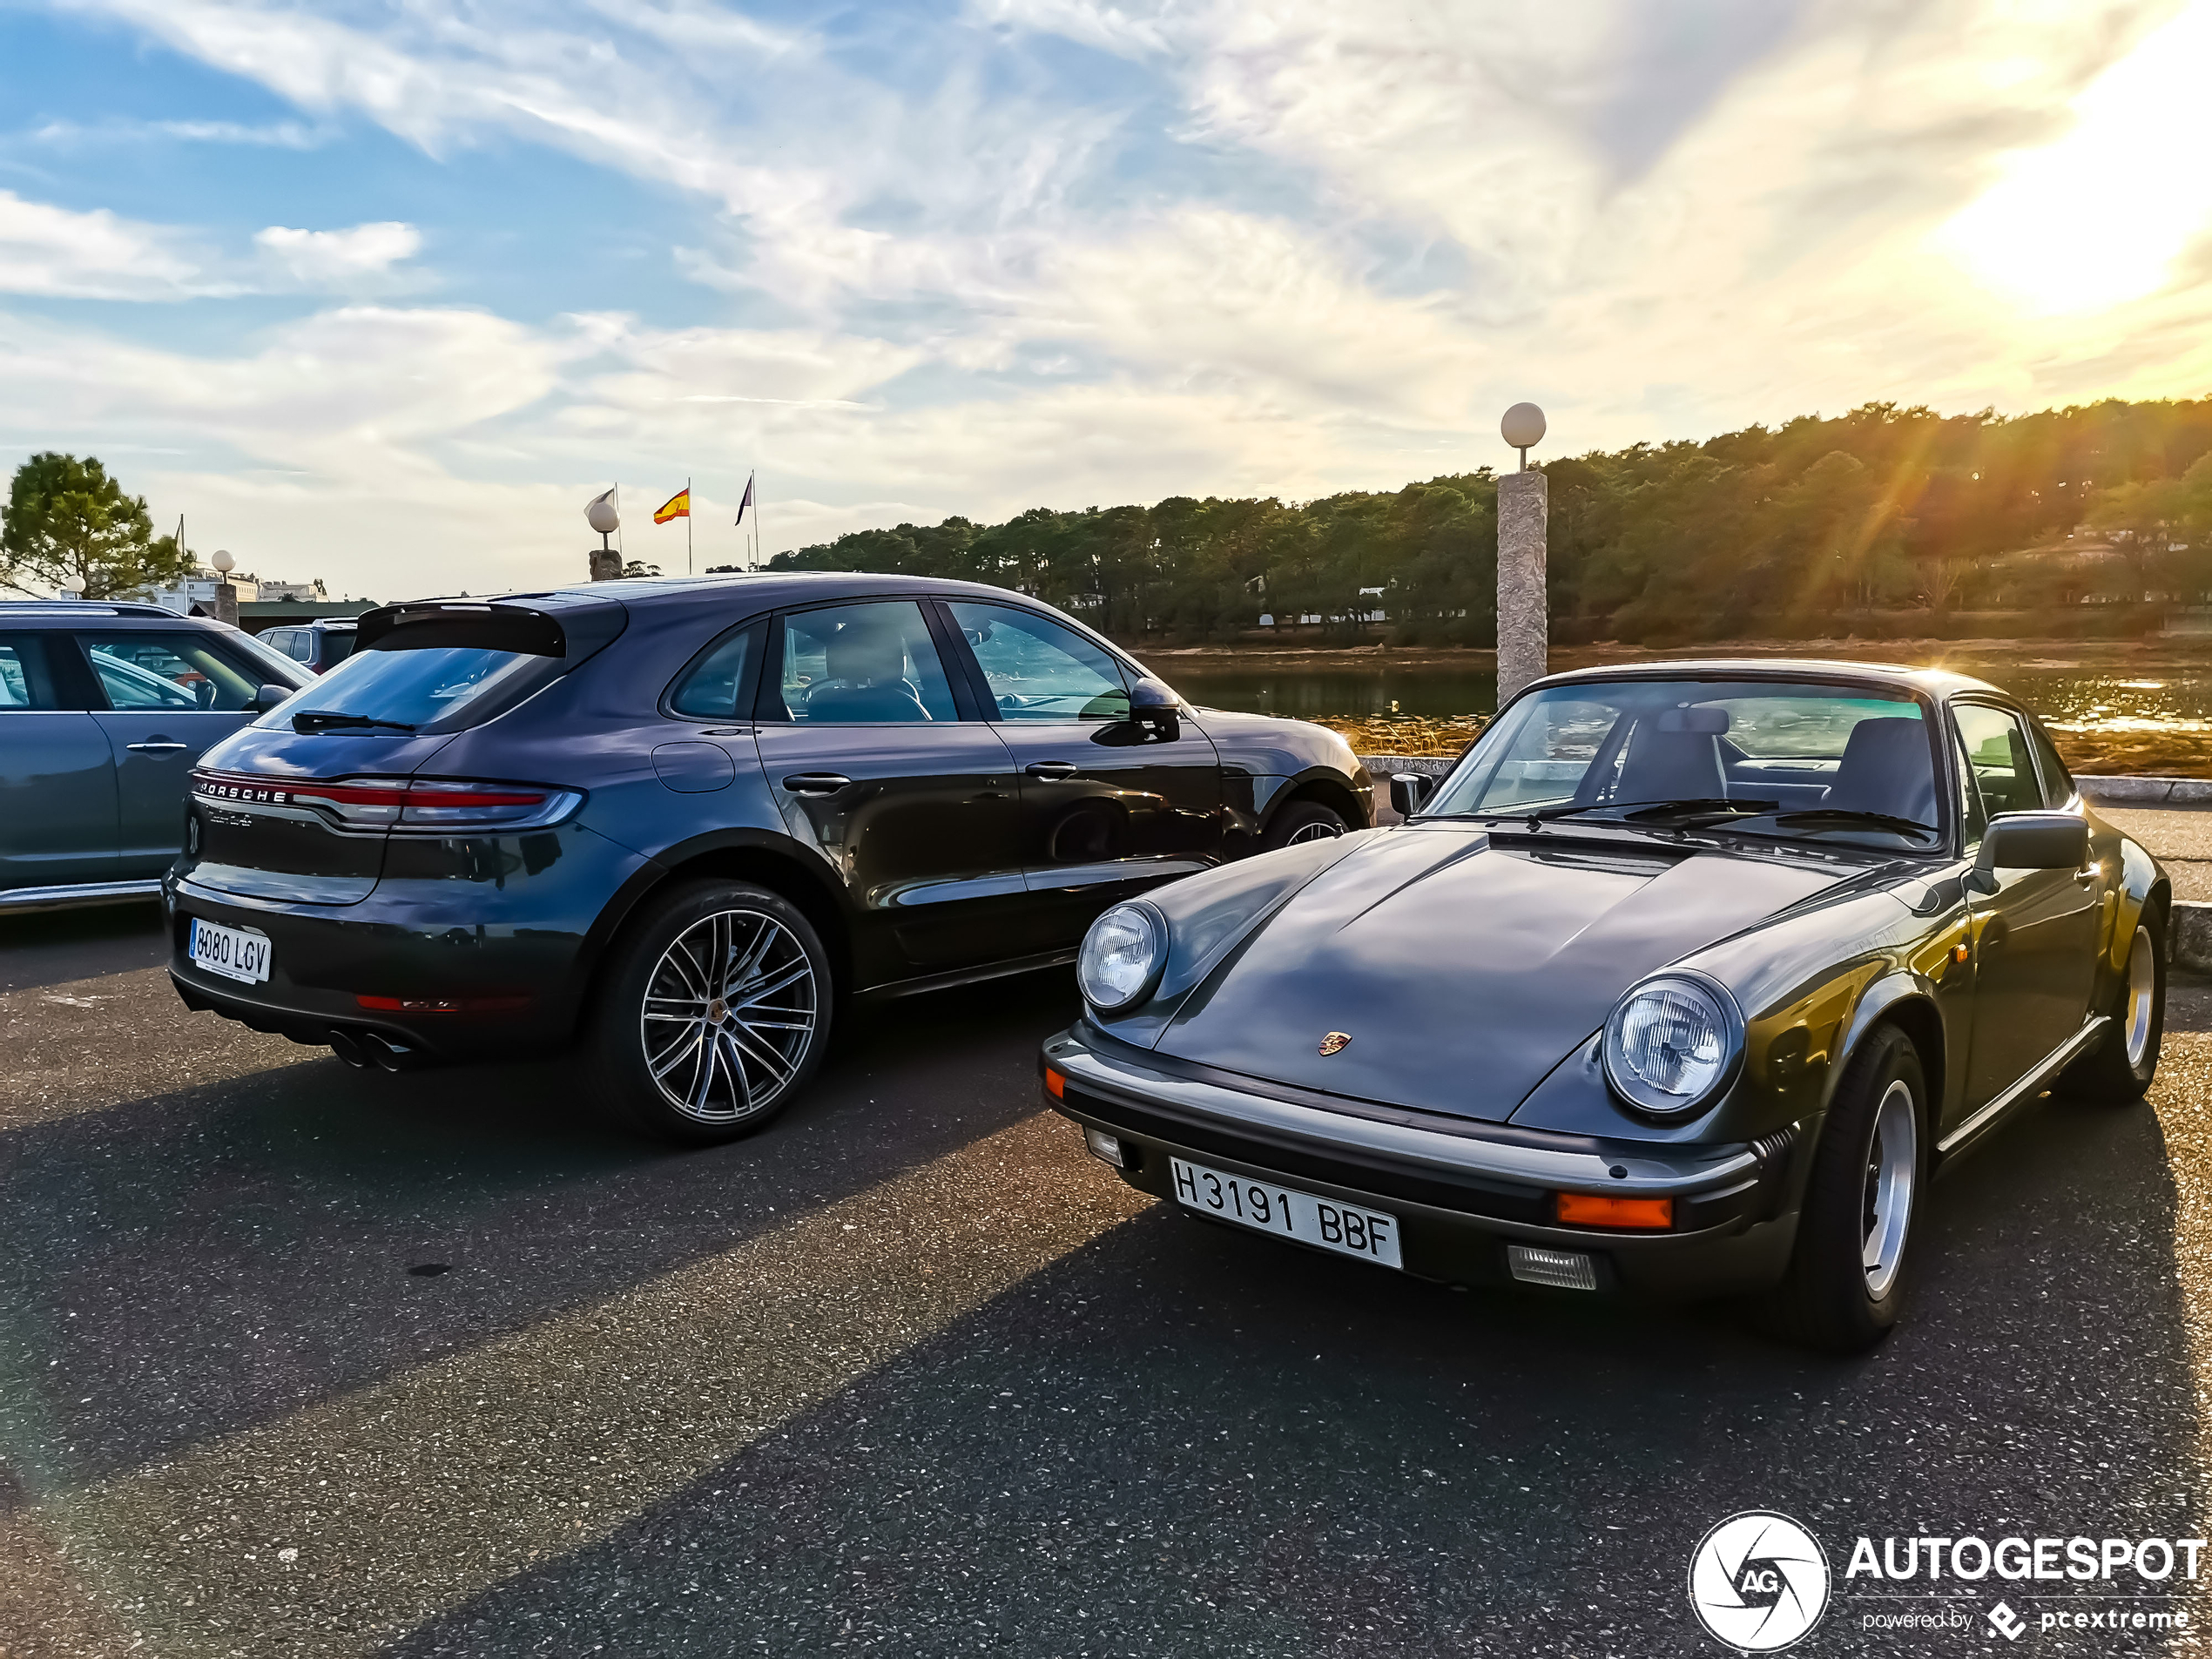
606	564
1523	617
226	604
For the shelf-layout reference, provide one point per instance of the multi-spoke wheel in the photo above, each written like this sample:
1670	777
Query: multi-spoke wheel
717	1006
1847	1273
1302	821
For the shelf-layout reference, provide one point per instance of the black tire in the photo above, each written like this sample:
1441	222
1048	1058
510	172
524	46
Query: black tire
727	1074
1831	1299
2110	1072
1303	821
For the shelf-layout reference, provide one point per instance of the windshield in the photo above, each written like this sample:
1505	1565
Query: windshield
407	689
1852	763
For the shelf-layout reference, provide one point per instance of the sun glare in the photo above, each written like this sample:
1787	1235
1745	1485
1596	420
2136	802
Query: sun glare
2098	217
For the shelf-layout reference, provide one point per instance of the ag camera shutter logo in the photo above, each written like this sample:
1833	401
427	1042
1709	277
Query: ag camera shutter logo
1758	1582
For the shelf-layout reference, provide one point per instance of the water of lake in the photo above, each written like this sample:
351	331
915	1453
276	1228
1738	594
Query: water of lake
2073	698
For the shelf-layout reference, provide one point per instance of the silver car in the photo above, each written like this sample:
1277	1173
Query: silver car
103	708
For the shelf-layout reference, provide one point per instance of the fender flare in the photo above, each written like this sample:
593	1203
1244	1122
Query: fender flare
664	865
1272	794
1897	989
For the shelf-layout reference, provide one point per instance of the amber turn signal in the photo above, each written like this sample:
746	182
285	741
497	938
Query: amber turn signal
1595	1210
1055	1084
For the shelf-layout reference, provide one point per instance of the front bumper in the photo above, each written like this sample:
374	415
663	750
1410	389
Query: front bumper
1464	1193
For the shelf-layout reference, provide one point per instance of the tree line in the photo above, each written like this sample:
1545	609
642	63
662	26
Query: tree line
1882	518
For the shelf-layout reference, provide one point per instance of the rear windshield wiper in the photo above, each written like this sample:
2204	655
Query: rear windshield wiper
1844	815
315	721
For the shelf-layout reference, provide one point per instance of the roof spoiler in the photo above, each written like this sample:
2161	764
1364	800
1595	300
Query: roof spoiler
571	632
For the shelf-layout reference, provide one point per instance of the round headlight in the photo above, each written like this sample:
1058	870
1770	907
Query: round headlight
1671	1044
1121	956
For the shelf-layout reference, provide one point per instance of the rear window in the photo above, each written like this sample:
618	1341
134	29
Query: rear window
393	686
337	647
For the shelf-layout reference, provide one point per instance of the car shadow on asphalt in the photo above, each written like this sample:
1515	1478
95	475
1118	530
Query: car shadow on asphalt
181	1266
53	948
1180	1440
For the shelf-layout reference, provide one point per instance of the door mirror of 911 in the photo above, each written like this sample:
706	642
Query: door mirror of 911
2030	841
1152	702
1407	790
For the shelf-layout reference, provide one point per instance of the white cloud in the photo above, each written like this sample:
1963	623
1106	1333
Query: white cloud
59	253
51	251
324	260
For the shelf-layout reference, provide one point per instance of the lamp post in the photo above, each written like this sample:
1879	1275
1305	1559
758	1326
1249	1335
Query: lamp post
600	514
226	594
1523	519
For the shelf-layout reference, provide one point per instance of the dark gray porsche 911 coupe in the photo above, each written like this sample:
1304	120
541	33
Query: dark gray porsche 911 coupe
1685	979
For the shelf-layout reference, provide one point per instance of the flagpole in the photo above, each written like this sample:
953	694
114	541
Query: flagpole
687	526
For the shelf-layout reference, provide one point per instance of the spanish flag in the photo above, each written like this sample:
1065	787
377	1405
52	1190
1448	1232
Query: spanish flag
677	506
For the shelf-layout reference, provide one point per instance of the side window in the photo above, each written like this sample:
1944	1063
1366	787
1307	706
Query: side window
180	671
2000	758
2058	782
24	683
711	690
286	640
1038	670
872	663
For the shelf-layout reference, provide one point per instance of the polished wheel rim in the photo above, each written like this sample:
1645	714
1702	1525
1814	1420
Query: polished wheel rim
2142	994
729	1013
1320	832
1892	1164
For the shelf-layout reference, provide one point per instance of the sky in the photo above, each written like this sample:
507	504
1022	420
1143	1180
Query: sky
384	292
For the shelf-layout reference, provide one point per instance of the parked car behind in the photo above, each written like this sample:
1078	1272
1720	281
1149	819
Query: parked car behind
318	647
103	708
1686	979
682	819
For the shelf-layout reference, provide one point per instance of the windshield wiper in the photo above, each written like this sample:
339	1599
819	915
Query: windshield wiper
316	720
1634	811
1844	815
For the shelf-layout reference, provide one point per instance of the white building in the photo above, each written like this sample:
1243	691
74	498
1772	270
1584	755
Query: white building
199	589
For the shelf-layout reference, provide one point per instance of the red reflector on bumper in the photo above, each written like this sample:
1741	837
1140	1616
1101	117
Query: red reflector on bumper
1592	1210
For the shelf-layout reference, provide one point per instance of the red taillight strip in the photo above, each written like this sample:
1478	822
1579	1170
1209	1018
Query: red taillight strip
435	794
230	785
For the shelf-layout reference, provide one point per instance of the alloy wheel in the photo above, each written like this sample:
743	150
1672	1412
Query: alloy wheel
1892	1170
2142	996
731	1009
1315	832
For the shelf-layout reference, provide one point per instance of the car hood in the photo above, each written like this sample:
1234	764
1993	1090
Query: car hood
1462	967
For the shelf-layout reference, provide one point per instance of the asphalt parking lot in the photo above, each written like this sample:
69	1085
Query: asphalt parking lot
295	1359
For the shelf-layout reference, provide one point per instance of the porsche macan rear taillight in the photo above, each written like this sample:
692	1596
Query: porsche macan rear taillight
399	806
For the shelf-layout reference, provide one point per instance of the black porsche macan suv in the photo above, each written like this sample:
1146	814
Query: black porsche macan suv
677	821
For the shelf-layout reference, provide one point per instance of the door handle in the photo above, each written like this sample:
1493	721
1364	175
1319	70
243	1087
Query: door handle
817	783
1054	770
164	748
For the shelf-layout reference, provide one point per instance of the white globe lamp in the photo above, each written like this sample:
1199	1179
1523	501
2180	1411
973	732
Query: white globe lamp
1523	428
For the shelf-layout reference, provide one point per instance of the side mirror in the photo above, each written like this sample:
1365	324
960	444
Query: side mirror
269	696
2030	841
1407	790
1152	702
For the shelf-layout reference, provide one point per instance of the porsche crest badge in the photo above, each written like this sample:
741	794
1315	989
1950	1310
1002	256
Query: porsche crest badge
1334	1041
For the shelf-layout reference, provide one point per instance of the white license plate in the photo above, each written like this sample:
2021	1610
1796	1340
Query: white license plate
232	952
1288	1213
